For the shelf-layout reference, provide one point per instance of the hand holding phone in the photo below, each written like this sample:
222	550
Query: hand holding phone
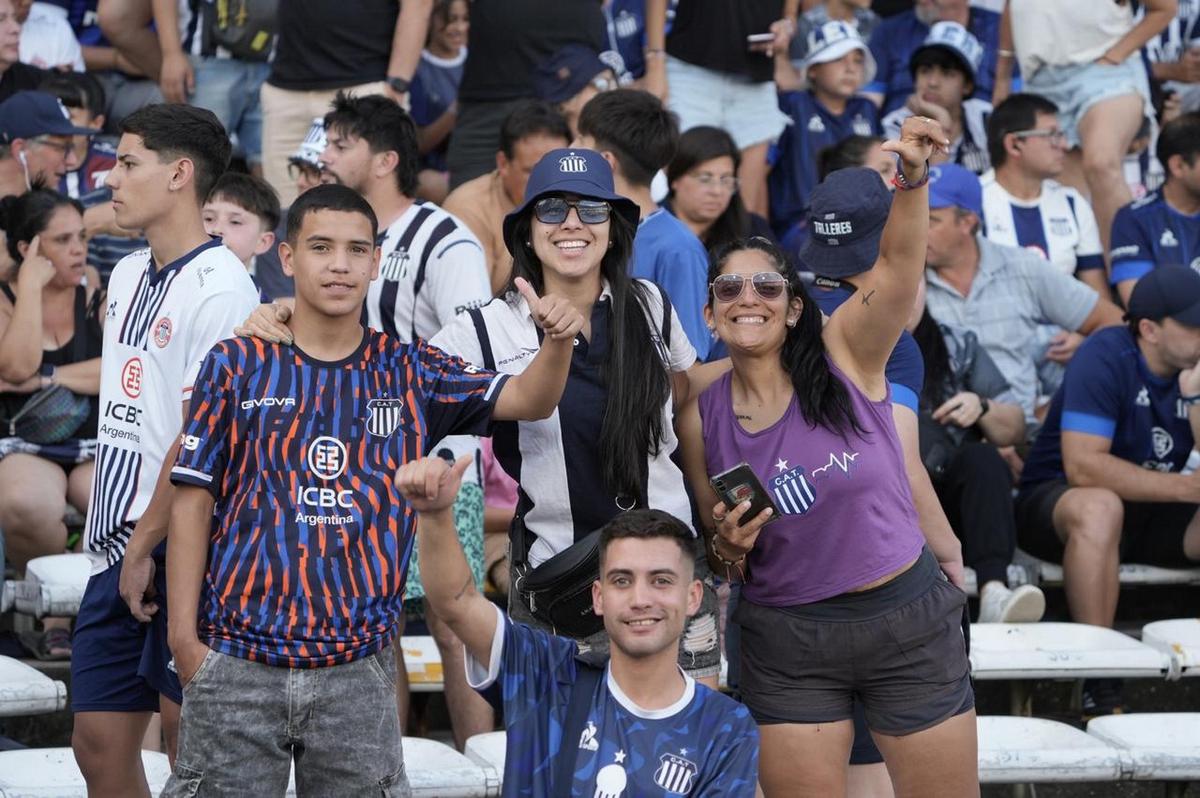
740	484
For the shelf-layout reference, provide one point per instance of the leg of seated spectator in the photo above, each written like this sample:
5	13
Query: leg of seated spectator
79	485
869	781
1089	521
979	480
939	761
168	712
752	178
1191	539
32	502
470	714
1105	133
107	747
152	740
126	23
804	759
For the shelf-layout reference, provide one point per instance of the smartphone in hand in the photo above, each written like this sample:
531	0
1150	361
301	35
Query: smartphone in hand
740	484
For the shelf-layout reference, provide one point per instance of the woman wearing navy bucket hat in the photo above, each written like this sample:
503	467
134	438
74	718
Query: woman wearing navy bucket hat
841	597
607	449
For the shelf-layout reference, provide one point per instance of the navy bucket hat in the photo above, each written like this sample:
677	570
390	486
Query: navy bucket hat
574	170
846	216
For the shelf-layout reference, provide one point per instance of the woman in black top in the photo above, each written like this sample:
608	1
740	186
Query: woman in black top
49	335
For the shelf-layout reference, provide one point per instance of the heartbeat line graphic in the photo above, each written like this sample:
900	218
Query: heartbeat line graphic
843	462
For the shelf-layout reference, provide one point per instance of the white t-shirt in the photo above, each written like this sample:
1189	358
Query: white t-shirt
1059	225
47	40
159	325
1065	31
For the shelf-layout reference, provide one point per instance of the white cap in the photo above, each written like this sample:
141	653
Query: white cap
958	40
833	40
312	146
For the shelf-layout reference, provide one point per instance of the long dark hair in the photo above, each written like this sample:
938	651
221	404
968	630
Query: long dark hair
939	375
26	215
634	373
700	144
823	398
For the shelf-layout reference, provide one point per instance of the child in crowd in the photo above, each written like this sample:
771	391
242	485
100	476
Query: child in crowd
944	72
434	93
838	65
243	211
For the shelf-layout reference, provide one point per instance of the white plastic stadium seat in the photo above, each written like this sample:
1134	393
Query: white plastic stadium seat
1048	573
1180	639
27	691
1017	750
52	773
1060	651
488	750
423	662
435	770
53	585
1159	746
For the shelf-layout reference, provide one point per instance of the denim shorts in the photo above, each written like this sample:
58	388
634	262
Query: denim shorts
1075	88
699	648
749	111
229	88
898	647
243	723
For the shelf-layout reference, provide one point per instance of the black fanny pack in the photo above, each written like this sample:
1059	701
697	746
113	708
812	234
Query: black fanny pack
559	591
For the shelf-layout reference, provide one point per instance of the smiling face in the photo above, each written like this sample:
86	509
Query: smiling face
450	31
749	323
571	249
333	260
64	243
646	592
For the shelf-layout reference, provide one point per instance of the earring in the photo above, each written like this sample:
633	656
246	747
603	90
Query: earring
529	243
610	244
791	322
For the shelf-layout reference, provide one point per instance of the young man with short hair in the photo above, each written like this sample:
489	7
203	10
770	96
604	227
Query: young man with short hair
531	130
298	578
166	307
1162	228
644	727
637	135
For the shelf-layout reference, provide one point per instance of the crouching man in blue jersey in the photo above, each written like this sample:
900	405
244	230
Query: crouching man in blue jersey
639	727
288	596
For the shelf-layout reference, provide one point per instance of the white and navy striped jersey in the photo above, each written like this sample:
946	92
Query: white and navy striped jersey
159	326
1059	225
555	461
432	268
970	150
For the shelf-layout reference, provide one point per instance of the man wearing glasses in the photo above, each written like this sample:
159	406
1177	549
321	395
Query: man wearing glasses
36	141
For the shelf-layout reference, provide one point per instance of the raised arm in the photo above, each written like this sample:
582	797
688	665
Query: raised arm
534	393
430	485
408	39
861	333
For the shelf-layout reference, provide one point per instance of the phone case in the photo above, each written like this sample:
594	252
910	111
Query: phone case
740	483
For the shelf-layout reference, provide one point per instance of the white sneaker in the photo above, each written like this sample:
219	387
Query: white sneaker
998	604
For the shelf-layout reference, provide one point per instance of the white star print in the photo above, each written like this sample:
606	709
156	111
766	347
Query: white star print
781	465
619	756
683	752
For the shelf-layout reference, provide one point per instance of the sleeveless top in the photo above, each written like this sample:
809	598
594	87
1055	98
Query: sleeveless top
85	344
846	514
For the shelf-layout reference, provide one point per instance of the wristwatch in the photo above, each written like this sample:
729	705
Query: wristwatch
399	85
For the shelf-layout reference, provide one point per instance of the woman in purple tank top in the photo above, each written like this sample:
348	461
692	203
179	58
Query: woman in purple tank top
840	597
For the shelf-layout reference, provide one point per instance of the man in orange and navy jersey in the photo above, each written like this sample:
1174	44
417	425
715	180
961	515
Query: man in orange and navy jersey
297	578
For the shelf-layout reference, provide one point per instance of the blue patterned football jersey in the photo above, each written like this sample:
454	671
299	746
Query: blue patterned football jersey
705	744
310	537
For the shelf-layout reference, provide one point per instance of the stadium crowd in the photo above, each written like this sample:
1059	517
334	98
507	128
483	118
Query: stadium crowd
604	341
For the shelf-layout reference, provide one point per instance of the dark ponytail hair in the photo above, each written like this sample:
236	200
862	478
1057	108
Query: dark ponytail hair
938	373
824	399
26	215
635	373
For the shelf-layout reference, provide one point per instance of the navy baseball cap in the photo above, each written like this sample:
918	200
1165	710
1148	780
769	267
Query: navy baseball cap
1167	292
846	216
950	185
29	114
566	73
577	171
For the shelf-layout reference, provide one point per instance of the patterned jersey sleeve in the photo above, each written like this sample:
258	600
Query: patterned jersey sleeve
731	768
1131	253
203	450
1091	389
459	397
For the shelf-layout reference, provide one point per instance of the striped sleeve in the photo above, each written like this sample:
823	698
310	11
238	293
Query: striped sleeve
459	397
204	448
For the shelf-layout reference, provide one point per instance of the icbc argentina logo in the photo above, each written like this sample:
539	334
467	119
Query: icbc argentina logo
162	332
131	378
327	457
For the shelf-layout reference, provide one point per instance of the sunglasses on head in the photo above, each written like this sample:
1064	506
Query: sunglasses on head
768	285
554	210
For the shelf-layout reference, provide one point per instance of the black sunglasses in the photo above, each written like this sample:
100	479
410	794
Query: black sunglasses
768	285
554	210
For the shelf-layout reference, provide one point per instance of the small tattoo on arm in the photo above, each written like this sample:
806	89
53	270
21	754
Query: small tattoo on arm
867	297
467	588
743	418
